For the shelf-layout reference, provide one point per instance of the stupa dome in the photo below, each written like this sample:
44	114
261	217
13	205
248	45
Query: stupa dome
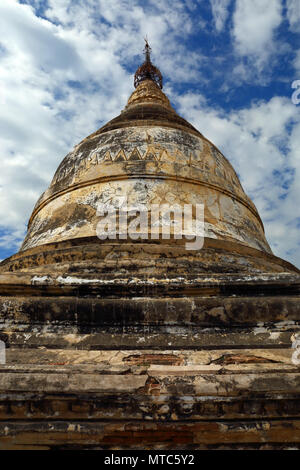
146	155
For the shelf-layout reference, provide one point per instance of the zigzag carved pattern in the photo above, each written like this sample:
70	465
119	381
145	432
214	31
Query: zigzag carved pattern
160	154
151	153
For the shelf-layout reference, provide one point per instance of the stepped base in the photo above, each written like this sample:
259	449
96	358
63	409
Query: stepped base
199	363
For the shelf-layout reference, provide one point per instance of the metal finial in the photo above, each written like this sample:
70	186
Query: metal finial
148	71
147	50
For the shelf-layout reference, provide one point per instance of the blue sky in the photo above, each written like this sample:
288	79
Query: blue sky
66	68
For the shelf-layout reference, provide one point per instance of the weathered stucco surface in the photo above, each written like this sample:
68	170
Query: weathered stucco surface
147	165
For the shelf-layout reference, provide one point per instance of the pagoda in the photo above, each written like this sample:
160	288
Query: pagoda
130	340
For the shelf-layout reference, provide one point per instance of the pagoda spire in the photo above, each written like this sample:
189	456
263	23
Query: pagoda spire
148	71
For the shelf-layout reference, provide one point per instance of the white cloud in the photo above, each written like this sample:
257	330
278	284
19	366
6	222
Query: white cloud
220	12
35	37
254	26
293	14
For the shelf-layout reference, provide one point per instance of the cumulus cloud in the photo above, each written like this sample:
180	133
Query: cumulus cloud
254	27
220	12
293	14
35	37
